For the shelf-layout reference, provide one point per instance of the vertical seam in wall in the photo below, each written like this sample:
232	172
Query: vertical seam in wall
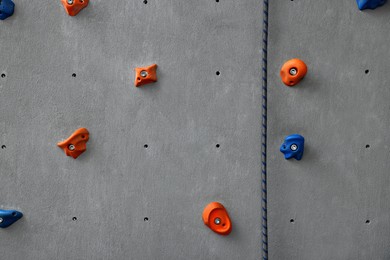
264	134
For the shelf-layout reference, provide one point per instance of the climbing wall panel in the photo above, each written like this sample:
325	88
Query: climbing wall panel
334	203
157	155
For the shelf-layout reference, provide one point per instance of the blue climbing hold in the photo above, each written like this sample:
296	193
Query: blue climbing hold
7	8
293	147
8	217
369	4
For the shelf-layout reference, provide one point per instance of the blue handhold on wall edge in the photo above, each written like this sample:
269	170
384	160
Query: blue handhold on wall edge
7	8
8	217
370	4
293	147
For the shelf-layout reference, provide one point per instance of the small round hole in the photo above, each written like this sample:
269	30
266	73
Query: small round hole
367	146
146	219
368	221
3	75
14	213
139	79
367	71
217	145
145	1
74	218
292	220
218	73
3	146
83	136
217	1
74	75
146	146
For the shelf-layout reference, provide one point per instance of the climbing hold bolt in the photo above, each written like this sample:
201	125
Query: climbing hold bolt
293	71
76	144
7	8
145	75
369	4
8	217
217	219
73	7
293	147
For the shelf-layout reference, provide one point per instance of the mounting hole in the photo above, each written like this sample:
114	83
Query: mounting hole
145	1
74	218
217	1
146	146
139	79
218	73
146	219
74	75
3	146
367	71
367	146
217	145
292	220
3	75
368	221
14	213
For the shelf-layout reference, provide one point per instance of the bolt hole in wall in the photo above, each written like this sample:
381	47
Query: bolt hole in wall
146	146
3	75
74	75
145	1
368	221
367	146
218	73
146	219
217	145
3	146
367	71
292	220
74	218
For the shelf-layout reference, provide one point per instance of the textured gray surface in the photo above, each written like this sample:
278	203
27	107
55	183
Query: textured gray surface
339	109
117	183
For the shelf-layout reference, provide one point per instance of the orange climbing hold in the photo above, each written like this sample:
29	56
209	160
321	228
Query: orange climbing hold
76	144
145	75
293	71
73	7
217	219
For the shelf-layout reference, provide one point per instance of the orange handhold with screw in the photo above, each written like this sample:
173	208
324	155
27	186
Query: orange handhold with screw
293	71
145	75
73	7
215	216
76	144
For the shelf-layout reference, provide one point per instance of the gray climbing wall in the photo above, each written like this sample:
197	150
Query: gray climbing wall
335	203
120	200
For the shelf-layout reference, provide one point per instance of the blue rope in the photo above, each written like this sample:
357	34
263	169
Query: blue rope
264	135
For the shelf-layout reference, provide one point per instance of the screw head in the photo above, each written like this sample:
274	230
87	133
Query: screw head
294	147
70	2
71	147
217	221
144	73
293	71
